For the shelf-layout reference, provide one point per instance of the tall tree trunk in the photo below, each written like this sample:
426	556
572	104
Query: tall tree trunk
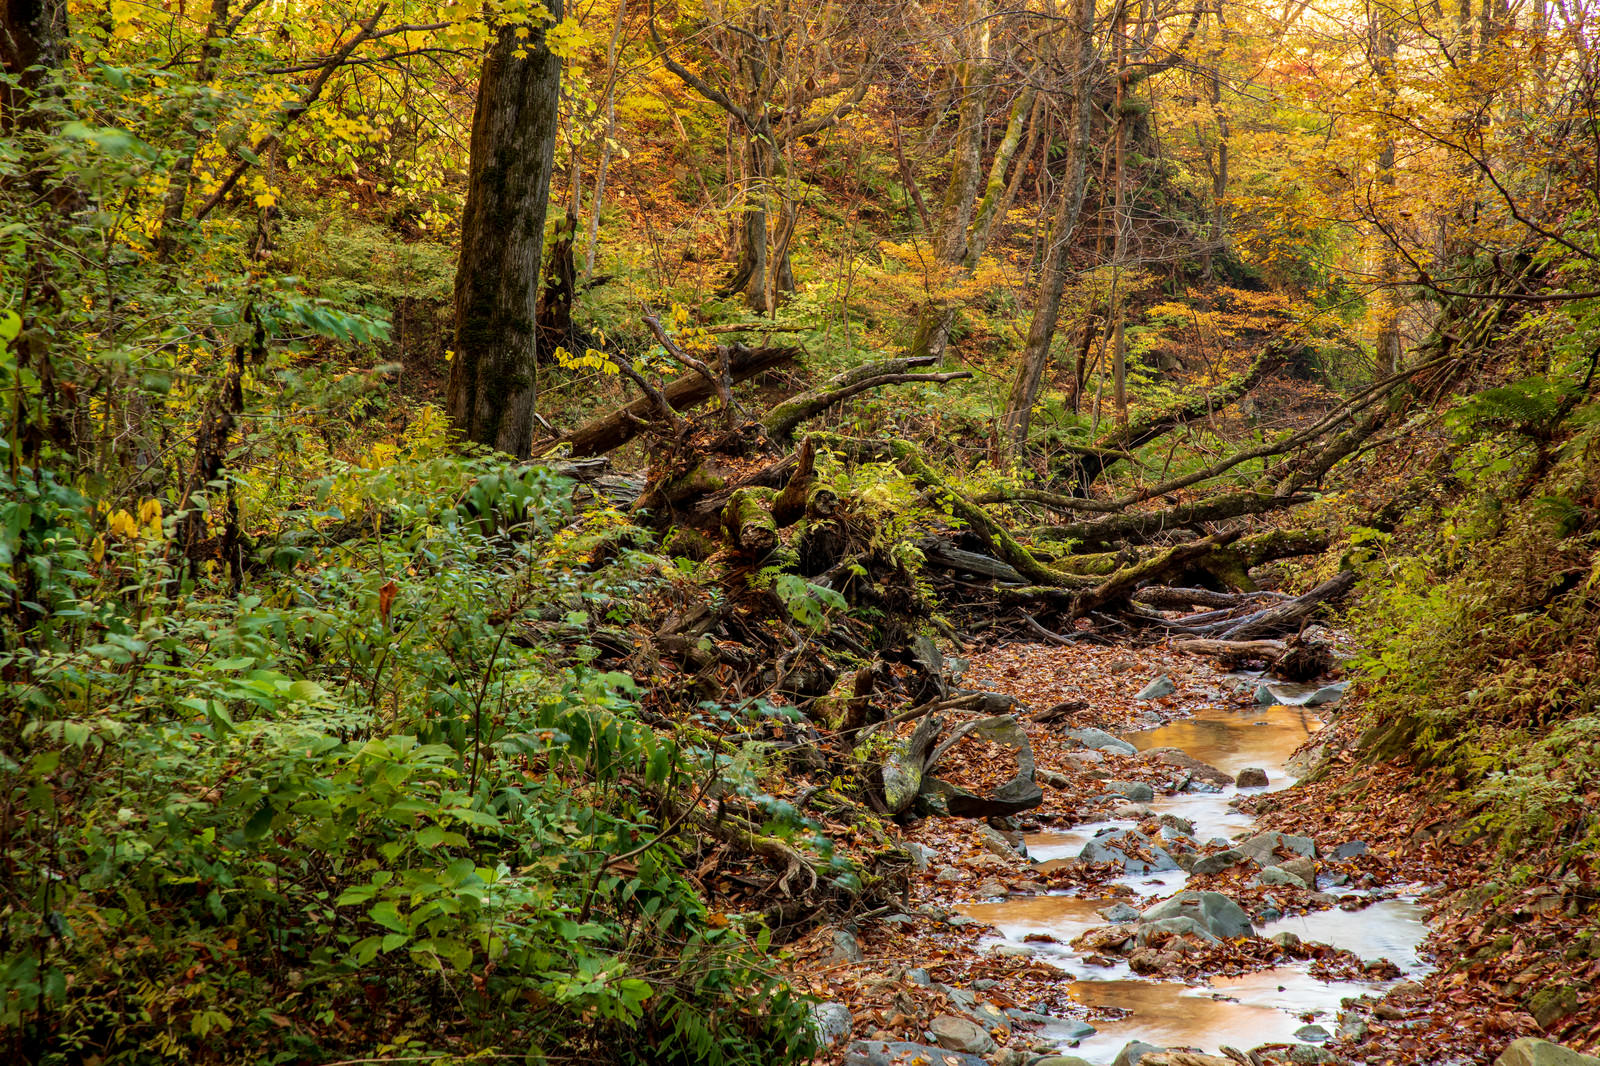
493	376
1387	346
1058	263
34	37
1119	245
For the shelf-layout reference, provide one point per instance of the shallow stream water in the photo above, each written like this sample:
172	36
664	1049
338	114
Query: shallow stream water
1244	1012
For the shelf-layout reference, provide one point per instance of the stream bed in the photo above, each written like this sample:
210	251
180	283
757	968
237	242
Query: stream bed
1246	1011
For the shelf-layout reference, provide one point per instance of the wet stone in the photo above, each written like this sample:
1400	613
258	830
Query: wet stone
1531	1052
1215	864
1251	777
1350	850
1136	791
833	1022
1216	912
1133	1052
1157	689
1310	1055
902	1053
961	1034
1100	740
1277	875
1312	1034
1118	913
846	948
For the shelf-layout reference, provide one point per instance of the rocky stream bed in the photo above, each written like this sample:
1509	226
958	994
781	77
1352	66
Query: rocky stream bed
1141	912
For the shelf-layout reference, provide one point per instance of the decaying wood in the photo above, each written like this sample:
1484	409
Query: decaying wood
616	428
783	419
1232	649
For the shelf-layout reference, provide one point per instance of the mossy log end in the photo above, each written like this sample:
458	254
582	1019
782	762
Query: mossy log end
747	521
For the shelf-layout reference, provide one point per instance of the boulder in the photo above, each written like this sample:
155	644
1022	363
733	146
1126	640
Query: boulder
1550	1005
997	844
832	1022
1303	868
1327	694
1119	912
961	1034
1310	1055
1184	761
1261	849
1286	940
1215	864
1277	875
846	948
1060	1060
1221	916
1099	740
1130	849
1180	926
1252	777
1531	1052
1136	791
1021	793
1134	1052
1350	850
1157	689
1312	1034
1182	825
904	1053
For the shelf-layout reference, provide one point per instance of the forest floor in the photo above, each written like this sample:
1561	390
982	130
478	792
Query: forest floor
951	961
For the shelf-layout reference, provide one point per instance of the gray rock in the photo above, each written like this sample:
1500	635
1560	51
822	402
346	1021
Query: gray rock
1053	778
961	921
1216	912
1099	740
1327	694
1264	694
1008	1056
918	976
949	875
961	1034
1085	758
964	998
1531	1052
1352	1026
1195	785
1286	940
1303	868
1550	1005
1350	850
1137	791
1118	913
1182	825
989	890
1260	848
1268	914
1133	1051
902	1053
1252	777
1182	926
997	844
1157	689
1215	864
832	1021
991	1018
1310	1055
1277	875
1123	847
1070	1030
920	856
1059	1060
1312	1034
846	948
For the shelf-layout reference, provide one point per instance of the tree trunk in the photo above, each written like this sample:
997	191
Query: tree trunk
493	376
1053	282
34	38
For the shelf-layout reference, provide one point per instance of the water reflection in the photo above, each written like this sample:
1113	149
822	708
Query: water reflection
1233	739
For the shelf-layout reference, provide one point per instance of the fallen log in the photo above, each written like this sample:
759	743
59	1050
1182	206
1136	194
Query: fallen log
1166	598
1287	616
1232	649
612	430
781	422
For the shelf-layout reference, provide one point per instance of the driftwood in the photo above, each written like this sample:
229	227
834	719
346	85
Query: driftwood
1287	616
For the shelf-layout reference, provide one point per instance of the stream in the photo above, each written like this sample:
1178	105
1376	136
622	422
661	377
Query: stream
1246	1011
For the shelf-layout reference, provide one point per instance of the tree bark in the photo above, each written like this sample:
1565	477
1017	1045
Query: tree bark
34	38
493	376
1053	282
